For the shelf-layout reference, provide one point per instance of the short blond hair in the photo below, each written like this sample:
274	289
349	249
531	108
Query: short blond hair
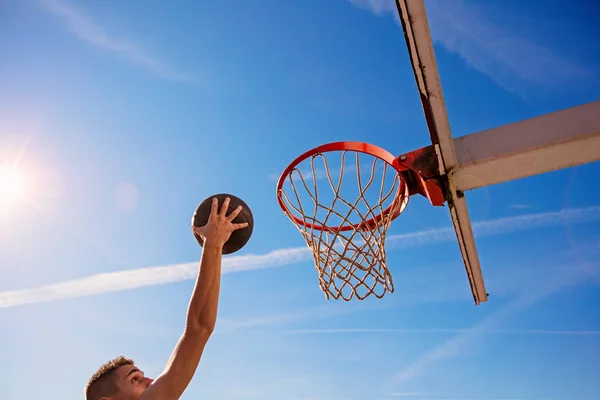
103	382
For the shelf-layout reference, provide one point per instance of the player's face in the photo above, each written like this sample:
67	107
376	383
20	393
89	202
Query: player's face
131	383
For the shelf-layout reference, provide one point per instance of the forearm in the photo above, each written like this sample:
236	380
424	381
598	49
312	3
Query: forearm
202	310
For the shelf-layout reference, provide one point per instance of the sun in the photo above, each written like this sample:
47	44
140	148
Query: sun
13	186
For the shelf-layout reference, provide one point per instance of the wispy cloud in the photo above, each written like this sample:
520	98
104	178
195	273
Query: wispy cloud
505	54
553	282
520	206
479	35
549	332
160	275
90	32
378	7
309	175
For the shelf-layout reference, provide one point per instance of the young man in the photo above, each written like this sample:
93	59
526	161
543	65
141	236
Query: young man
120	379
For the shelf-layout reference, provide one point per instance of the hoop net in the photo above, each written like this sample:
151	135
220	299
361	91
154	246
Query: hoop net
343	214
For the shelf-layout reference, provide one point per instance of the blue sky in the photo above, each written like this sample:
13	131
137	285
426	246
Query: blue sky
128	117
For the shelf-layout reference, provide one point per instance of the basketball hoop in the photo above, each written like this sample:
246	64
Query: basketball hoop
345	220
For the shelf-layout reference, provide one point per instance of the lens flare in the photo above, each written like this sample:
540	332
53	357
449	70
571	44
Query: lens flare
13	186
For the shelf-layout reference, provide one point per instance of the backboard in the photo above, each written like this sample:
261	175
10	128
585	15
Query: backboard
547	143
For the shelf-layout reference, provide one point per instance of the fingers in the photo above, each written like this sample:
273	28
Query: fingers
223	212
225	207
239	226
214	208
234	213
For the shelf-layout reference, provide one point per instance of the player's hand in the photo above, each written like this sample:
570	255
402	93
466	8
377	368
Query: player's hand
219	227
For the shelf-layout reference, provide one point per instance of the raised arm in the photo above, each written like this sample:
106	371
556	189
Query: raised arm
202	310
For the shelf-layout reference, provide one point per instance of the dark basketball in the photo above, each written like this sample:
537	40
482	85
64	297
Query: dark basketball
239	237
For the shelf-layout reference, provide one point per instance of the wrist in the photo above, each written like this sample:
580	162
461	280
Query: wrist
210	244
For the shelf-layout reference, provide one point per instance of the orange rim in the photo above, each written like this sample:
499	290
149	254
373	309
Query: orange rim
360	147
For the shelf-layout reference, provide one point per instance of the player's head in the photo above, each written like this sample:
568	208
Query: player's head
118	379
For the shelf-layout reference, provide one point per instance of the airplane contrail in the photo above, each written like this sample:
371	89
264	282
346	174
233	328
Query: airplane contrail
550	332
160	275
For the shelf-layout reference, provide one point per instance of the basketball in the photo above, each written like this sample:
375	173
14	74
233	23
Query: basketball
239	237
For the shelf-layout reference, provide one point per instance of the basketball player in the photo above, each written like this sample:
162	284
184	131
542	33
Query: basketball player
121	379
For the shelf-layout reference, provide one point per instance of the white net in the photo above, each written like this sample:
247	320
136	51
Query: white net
343	214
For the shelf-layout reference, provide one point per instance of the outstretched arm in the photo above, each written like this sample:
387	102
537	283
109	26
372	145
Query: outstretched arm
202	310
